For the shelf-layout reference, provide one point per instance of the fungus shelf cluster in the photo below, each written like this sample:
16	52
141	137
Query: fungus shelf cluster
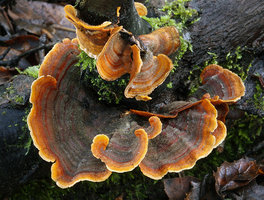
118	52
87	140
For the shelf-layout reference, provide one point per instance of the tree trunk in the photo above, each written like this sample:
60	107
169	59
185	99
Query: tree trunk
96	12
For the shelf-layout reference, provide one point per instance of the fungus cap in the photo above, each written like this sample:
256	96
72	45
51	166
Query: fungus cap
183	141
65	121
92	38
222	84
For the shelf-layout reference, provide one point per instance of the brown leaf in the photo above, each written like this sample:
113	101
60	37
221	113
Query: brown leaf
230	176
41	17
6	74
177	188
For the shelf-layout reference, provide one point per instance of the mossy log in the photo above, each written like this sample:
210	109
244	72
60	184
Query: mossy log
223	26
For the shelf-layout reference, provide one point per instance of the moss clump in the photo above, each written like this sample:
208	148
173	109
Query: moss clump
108	91
30	71
233	62
258	97
132	185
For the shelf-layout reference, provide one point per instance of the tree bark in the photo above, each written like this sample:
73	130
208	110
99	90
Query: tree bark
96	12
223	26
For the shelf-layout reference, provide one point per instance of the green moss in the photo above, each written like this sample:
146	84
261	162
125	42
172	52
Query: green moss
18	99
10	90
258	97
233	63
30	71
108	91
179	16
132	185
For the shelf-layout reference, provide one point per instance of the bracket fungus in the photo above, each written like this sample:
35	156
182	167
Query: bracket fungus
92	38
86	140
192	128
119	52
143	58
67	124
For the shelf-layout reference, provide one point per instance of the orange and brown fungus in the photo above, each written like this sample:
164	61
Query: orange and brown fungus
141	9
91	38
154	71
115	58
165	40
124	153
65	120
219	133
222	84
168	111
122	55
183	141
125	150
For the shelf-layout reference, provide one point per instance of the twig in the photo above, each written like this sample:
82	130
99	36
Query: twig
5	53
57	26
14	61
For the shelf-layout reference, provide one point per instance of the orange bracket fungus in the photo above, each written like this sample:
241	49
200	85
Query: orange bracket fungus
72	130
118	52
194	128
143	58
91	38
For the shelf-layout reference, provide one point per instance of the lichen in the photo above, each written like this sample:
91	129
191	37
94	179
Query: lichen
108	91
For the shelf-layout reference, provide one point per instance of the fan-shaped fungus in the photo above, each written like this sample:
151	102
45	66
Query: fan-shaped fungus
183	141
65	120
119	52
160	159
91	38
141	9
222	84
165	40
147	72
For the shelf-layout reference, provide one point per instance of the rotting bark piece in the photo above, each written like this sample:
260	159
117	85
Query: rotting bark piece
182	142
222	84
65	119
165	40
91	38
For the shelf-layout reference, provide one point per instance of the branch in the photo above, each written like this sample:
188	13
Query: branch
13	62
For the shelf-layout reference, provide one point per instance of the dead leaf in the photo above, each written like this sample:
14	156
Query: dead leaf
177	188
40	17
230	176
6	74
253	191
194	194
